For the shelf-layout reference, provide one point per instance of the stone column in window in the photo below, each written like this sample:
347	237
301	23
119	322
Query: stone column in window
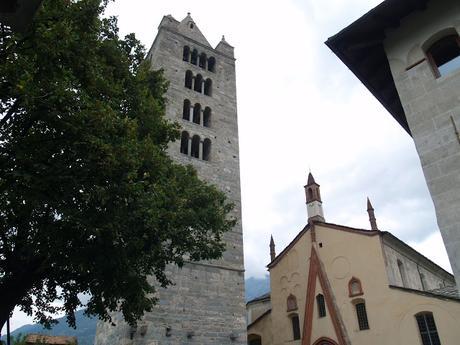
189	152
200	152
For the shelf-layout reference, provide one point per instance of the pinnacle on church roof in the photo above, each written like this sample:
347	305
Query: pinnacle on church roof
369	205
311	179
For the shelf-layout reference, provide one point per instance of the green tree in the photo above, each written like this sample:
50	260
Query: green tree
89	200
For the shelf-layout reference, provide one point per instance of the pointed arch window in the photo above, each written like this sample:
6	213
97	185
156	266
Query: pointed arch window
208	87
186	54
206	149
195	151
197	113
291	303
427	328
321	305
186	110
184	142
188	79
207	117
198	83
194	57
211	64
354	287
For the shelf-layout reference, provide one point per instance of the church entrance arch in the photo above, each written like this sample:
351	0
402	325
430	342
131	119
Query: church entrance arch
324	341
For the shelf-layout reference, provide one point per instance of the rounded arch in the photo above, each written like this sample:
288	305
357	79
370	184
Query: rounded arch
291	303
355	287
202	61
324	341
184	139
207	117
188	79
186	110
449	31
206	149
194	57
197	113
212	64
195	151
198	83
186	54
444	54
208	87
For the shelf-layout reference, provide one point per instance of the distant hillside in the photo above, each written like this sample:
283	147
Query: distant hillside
85	331
86	327
256	287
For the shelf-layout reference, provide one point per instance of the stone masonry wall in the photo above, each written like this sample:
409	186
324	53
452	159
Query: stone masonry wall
206	306
431	106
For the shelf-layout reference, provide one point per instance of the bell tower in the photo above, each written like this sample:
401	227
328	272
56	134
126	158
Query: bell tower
313	200
206	305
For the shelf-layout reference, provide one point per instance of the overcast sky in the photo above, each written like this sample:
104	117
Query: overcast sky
301	109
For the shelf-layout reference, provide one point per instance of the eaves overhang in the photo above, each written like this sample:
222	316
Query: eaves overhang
360	47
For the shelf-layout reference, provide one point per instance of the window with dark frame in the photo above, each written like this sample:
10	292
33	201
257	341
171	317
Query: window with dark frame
295	327
321	305
427	329
362	316
444	55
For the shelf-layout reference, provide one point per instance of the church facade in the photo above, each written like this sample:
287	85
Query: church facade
337	285
206	304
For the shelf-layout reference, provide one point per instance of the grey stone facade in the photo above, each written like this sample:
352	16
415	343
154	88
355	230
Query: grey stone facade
206	304
432	109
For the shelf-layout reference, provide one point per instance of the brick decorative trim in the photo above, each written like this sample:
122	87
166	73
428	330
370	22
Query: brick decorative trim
324	341
316	272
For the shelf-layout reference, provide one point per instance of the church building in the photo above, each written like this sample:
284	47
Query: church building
338	285
206	303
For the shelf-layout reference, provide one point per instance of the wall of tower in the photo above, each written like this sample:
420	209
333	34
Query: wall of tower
432	108
206	305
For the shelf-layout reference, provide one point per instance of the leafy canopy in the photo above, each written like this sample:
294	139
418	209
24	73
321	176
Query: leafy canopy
89	200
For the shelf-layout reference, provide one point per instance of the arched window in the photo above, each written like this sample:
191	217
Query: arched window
321	305
195	146
212	64
207	117
208	87
196	113
444	55
184	138
206	149
194	58
291	303
186	54
188	79
295	326
354	287
186	110
402	273
198	83
427	328
202	60
310	194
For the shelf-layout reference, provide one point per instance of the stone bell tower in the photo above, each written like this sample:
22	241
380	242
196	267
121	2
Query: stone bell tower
206	305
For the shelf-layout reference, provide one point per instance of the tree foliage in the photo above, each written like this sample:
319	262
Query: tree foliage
89	200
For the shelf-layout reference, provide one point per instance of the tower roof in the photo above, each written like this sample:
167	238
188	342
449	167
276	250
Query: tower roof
311	179
188	28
